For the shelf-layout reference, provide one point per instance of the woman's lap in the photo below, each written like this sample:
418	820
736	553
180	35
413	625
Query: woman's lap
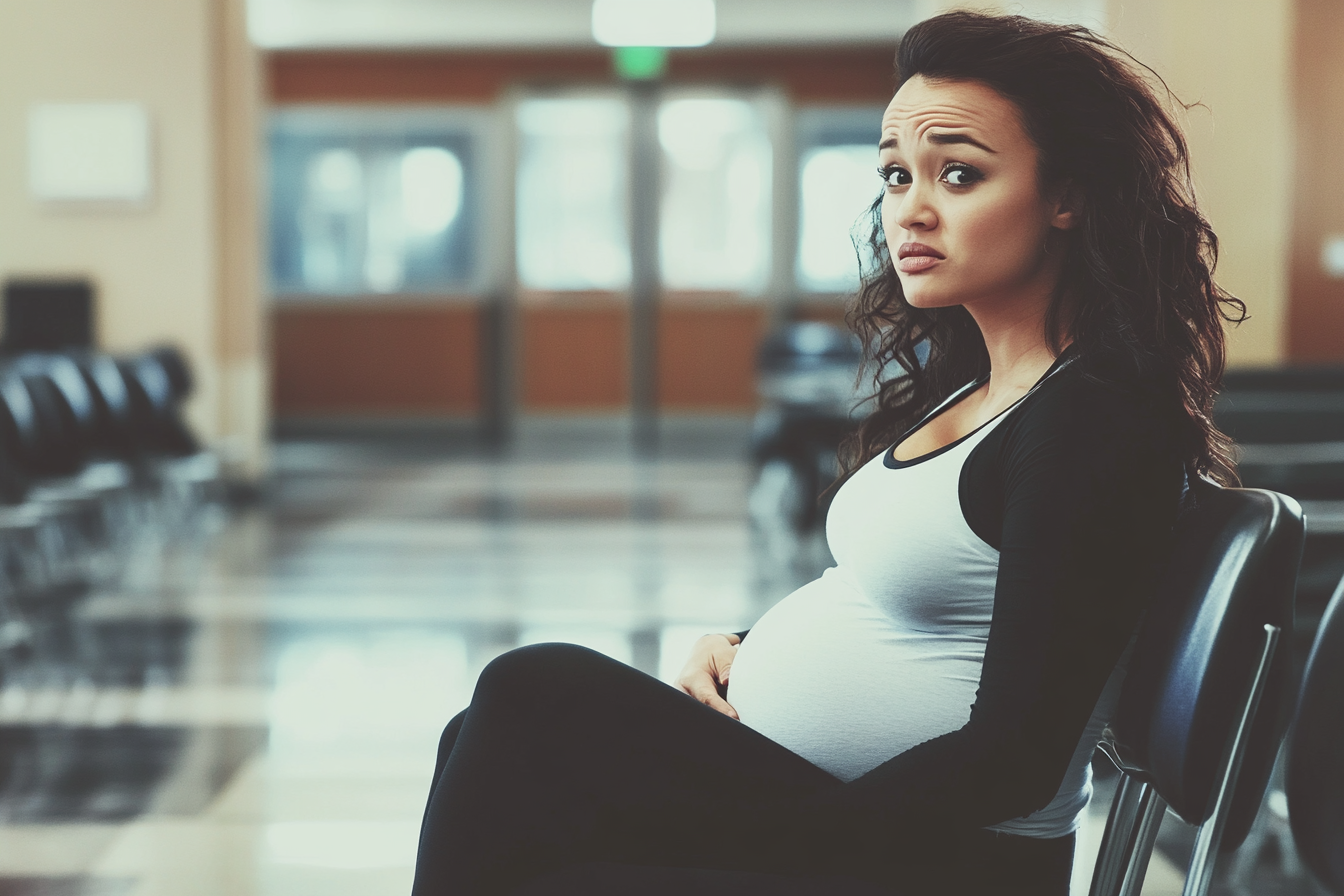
566	756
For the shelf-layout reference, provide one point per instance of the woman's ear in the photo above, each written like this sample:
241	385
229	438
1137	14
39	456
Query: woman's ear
1068	210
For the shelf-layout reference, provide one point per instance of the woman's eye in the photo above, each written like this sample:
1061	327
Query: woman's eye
894	176
961	175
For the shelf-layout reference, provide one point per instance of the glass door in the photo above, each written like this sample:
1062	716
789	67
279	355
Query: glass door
572	202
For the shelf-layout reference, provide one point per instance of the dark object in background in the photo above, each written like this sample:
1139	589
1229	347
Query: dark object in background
53	435
1288	423
1315	778
808	372
157	382
47	315
61	411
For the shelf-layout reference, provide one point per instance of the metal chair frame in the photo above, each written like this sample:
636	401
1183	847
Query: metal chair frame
1137	812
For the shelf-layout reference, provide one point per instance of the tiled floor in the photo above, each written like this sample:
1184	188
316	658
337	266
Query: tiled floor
258	713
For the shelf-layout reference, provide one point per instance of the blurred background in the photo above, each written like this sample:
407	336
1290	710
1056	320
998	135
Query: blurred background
350	343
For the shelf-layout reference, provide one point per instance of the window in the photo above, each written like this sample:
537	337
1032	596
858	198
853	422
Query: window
837	183
573	193
366	201
715	206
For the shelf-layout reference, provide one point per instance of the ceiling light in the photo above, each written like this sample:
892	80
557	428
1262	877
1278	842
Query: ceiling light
653	23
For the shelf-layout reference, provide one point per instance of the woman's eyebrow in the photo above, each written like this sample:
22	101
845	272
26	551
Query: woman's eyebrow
942	140
948	139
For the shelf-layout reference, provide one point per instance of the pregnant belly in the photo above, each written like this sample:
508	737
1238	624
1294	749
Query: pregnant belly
831	677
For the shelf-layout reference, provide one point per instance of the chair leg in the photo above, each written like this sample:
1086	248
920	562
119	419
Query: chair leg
1112	857
1271	823
1126	846
1200	873
1248	856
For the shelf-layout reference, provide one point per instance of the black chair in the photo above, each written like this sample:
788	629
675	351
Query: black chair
114	417
63	451
68	401
50	431
47	315
807	372
157	382
1315	768
35	426
1205	700
1204	687
20	436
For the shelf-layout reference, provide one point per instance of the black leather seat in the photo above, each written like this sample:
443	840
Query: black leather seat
20	435
63	450
1315	769
40	434
62	396
112	403
157	382
1191	717
1208	695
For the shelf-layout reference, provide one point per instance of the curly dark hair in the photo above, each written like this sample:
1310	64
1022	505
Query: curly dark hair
1137	280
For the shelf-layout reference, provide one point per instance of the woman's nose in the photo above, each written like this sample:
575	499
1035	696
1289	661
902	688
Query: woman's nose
916	211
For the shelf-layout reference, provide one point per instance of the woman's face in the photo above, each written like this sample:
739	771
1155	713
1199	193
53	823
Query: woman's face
964	214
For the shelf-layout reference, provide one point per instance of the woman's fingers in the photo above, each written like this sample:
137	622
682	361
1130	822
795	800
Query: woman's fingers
707	671
723	673
714	701
705	691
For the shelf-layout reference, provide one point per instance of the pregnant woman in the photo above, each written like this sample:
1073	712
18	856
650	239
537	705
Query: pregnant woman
921	718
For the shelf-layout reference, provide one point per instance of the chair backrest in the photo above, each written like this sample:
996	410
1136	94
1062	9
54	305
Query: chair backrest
74	399
1315	771
175	367
112	401
40	433
19	437
18	418
157	382
47	315
1233	572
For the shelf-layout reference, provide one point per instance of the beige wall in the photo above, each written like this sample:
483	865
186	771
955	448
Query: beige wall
182	270
1233	57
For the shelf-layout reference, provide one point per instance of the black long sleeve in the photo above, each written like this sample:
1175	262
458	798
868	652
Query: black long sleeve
1078	490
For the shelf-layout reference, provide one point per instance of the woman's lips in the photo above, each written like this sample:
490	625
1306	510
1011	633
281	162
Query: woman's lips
913	264
915	257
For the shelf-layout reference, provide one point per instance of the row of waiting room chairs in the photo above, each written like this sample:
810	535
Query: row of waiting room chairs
94	455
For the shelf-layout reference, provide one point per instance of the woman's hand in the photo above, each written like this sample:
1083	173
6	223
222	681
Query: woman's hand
707	671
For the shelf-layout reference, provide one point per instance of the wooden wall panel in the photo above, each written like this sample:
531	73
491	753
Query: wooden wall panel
854	74
376	361
1315	301
574	356
449	76
707	356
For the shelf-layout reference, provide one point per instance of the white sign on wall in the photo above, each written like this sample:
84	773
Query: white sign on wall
89	152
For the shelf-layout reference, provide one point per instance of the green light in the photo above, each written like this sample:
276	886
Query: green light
639	63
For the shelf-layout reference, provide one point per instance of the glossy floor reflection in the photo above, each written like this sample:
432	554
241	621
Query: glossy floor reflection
255	709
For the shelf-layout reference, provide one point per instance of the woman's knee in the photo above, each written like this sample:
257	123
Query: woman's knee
449	737
535	671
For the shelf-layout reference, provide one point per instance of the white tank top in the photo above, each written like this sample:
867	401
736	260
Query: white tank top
884	651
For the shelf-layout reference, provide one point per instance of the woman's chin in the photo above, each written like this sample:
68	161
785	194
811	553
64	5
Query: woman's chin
928	298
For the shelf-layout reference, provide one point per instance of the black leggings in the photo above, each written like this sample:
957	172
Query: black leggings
567	757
